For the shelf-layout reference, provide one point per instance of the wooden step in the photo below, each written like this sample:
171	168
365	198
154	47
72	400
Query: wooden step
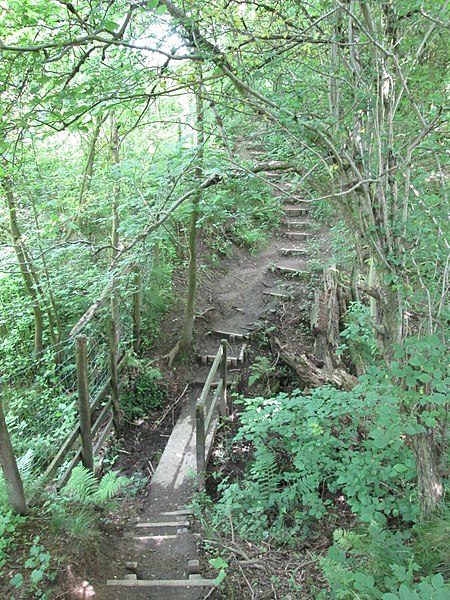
296	201
298	224
132	581
295	212
177	513
231	336
301	236
290	271
146	525
272	174
279	295
293	251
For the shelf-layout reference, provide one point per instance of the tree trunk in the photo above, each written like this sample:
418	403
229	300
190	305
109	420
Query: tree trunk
13	481
88	170
24	266
325	319
185	339
430	489
115	220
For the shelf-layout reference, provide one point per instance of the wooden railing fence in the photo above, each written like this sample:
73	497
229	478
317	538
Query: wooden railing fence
96	418
206	424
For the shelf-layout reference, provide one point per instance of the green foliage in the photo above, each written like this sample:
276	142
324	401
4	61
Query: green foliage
143	393
9	532
74	511
84	489
242	212
378	564
312	453
260	371
221	565
358	334
33	580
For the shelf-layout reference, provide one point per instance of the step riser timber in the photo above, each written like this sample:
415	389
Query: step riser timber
290	271
298	203
279	296
299	236
161	583
231	336
293	251
163	524
296	212
298	224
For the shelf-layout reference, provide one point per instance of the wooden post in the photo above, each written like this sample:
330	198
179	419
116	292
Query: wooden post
83	403
114	385
201	442
223	377
137	305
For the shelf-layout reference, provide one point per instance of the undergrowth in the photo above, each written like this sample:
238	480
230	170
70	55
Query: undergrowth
329	457
28	564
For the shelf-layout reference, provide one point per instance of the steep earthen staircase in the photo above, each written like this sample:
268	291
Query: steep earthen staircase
161	553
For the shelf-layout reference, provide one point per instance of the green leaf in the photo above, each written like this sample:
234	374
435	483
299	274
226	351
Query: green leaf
437	581
424	377
17	580
161	10
36	576
110	25
399	468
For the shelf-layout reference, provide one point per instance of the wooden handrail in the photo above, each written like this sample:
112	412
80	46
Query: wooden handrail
203	418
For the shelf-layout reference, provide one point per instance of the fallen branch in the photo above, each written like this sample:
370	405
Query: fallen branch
167	411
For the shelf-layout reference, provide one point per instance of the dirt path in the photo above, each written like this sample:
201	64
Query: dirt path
235	301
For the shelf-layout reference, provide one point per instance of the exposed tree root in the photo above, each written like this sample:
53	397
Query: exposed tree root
171	356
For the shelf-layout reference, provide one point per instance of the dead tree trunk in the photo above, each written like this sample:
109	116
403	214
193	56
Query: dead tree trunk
325	320
323	366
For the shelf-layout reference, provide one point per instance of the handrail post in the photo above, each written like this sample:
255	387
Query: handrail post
200	445
223	377
114	384
87	455
137	306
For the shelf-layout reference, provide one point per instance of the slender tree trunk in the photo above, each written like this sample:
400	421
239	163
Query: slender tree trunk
115	221
88	170
185	339
13	481
24	265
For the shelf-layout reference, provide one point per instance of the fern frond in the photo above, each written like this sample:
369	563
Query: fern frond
82	485
264	472
108	487
25	463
